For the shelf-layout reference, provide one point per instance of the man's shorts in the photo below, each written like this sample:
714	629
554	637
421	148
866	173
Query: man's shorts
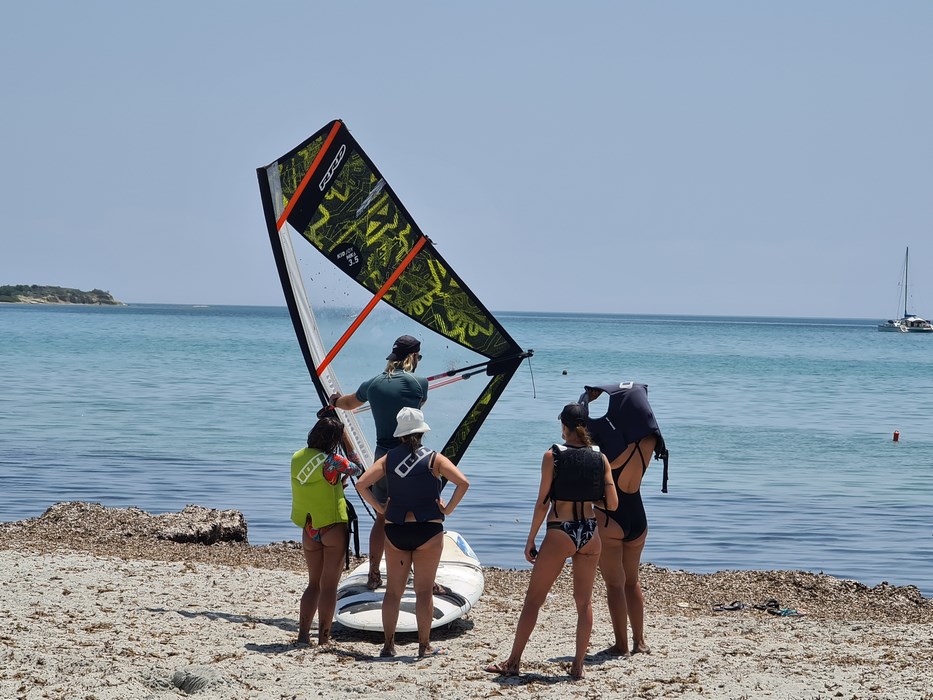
380	491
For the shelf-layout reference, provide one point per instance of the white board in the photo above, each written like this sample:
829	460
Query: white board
459	570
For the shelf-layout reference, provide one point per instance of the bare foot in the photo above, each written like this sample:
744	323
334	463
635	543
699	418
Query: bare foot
616	650
304	638
503	668
324	640
640	648
576	671
374	580
387	652
428	650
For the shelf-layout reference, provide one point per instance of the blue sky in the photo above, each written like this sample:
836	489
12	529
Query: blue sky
751	158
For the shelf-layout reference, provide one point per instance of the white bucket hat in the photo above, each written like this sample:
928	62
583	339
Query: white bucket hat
410	421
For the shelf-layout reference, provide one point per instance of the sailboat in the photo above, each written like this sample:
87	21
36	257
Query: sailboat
908	323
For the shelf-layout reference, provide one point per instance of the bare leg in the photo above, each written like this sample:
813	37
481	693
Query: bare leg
314	558
335	548
377	539
613	572
585	563
425	560
398	566
634	598
554	552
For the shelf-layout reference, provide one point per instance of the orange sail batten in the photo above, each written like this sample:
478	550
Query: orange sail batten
304	181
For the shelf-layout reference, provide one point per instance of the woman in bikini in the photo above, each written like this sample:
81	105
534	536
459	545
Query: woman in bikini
319	508
573	477
414	515
624	529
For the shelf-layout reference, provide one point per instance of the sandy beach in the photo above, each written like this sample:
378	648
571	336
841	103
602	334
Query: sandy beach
106	603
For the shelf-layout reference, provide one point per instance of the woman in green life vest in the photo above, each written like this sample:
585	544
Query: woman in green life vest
319	508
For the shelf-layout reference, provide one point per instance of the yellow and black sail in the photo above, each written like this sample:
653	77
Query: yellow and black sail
329	191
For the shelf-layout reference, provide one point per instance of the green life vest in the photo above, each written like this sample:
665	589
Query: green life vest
312	494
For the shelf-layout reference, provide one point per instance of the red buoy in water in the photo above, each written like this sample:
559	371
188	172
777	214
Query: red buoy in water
897	435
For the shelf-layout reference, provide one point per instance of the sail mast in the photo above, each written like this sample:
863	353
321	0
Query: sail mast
906	270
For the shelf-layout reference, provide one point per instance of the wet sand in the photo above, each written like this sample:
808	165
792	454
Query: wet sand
96	603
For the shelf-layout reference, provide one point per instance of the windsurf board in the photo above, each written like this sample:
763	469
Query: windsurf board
459	571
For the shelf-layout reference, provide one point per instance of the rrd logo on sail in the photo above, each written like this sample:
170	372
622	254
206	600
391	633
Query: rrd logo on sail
333	167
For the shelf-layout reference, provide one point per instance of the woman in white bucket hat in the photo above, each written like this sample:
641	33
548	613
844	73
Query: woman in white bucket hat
414	514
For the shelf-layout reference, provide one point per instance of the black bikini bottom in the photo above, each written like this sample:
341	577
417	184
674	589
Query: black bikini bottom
409	536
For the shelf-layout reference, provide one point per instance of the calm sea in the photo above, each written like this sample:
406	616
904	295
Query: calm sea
780	430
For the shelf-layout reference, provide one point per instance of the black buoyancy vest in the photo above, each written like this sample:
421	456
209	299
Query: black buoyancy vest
578	474
411	485
631	419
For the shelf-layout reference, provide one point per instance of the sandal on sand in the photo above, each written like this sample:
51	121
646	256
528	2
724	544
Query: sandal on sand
769	604
734	605
374	580
501	669
786	612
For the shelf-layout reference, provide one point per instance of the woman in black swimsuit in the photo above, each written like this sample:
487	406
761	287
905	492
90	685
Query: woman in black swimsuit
414	515
573	476
625	528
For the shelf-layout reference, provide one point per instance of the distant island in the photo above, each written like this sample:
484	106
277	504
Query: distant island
39	294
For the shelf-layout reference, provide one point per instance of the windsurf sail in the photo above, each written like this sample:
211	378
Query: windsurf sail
326	192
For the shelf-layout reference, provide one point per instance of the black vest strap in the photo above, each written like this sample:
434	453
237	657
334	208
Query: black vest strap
353	525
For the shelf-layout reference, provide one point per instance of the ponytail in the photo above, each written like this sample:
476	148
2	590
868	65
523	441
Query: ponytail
583	435
407	364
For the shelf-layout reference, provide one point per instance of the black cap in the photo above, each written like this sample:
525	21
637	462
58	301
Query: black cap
574	414
404	346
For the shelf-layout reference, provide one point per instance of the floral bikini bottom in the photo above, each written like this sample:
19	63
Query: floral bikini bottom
580	531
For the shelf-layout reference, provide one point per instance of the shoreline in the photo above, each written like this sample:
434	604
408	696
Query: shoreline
134	613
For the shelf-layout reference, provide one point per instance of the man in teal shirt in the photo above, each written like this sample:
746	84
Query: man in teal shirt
387	393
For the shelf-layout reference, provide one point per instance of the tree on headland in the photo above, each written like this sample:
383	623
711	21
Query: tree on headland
41	294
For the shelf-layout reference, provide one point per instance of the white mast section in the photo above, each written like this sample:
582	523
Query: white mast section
309	322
